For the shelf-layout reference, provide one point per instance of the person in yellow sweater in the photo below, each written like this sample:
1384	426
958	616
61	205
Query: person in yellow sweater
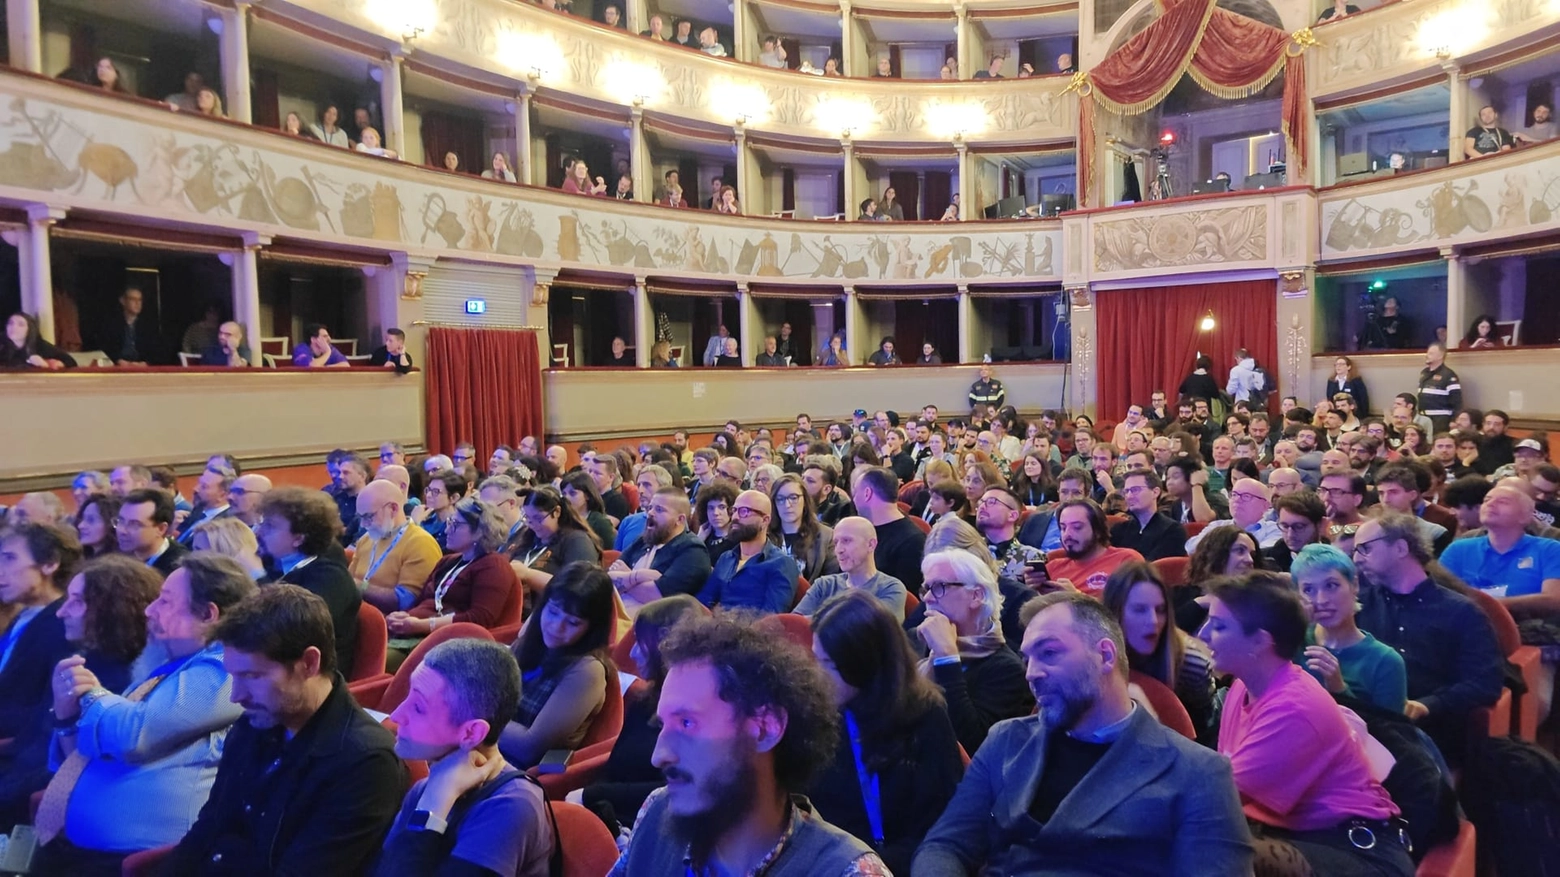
394	556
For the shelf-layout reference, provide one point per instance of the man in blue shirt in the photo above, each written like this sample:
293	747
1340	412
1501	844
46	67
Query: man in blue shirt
1521	569
755	574
316	351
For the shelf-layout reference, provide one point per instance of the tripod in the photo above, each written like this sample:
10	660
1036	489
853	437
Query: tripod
1163	179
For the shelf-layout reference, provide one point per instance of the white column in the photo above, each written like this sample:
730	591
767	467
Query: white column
850	64
637	14
851	195
523	137
744	192
639	157
390	103
853	339
966	179
246	293
966	324
746	323
964	45
37	269
644	321
1456	294
1458	112
743	46
235	61
25	34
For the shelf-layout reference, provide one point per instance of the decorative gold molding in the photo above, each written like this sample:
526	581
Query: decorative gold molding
1292	284
540	293
411	288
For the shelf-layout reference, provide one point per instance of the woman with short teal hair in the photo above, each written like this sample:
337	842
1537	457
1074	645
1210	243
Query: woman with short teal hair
1345	659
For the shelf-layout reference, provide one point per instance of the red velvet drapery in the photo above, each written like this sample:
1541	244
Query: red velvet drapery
1229	55
484	386
1134	363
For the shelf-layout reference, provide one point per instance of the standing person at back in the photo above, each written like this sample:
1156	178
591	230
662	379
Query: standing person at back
1440	390
900	542
1244	383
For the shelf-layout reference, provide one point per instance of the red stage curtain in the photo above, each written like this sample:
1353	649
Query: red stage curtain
1148	337
484	386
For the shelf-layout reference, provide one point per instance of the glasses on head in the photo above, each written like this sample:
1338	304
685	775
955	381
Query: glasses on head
743	512
938	589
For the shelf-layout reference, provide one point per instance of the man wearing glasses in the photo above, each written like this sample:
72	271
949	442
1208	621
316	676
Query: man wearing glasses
1447	643
1342	493
1250	502
465	452
996	517
1300	517
1147	530
245	495
142	529
755	574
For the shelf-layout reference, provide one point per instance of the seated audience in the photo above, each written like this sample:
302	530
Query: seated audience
474	813
22	346
1190	499
229	351
1148	531
897	764
292	125
1228	551
471	584
797	530
855	541
577	180
1506	561
900	543
981	678
755	573
296	533
554	537
605	471
1139	600
499	170
1250	504
154	751
1303	776
105	75
142	526
95	525
727	202
772	53
326	131
85	484
1050	793
231	538
996	516
37	561
392	353
445	489
245	496
317	351
746	722
1086	558
666	560
579	491
1300	517
308	782
1345	659
211	499
562	653
1487	138
628	776
132	339
1448	645
709	43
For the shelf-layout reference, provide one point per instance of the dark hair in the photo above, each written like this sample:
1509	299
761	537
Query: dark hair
1356	481
399	334
161	500
117	588
108	509
581	589
883	483
952	493
1262	600
1164	663
30	343
1096	515
809	530
545	499
481	681
1407	475
1246	466
1024	486
1466	492
755	672
1473	329
715	490
1302	502
309	513
651	625
280	622
455	483
583	483
872	654
48	542
1076	473
1186	466
313	330
1212	554
215	580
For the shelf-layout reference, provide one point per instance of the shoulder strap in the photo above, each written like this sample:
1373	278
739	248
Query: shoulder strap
554	861
478	795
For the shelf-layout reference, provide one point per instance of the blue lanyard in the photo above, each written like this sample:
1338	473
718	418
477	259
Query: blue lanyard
871	795
374	565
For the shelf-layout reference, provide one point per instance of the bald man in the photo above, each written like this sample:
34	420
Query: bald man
1250	502
394	557
1521	569
558	456
754	574
1283	481
1335	462
246	495
40	507
666	559
855	543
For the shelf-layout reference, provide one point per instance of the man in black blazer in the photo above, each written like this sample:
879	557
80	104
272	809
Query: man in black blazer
211	502
145	522
297	528
132	338
37	560
1147	530
666	559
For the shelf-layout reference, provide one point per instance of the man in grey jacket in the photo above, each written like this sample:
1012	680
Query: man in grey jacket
1093	784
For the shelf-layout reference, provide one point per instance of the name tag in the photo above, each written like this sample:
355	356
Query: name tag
1525	563
1495	590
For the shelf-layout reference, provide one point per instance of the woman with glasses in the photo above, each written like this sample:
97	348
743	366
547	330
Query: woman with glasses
712	517
897	762
1138	597
1305	782
554	537
795	529
582	494
981	678
95	524
473	583
1345	659
564	665
445	489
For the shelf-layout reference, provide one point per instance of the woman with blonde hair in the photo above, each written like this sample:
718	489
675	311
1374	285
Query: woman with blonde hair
233	538
661	355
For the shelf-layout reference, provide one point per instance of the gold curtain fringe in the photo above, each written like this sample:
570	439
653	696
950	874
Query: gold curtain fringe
1238	92
1137	108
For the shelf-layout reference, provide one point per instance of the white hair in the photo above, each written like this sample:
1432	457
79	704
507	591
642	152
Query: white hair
968	570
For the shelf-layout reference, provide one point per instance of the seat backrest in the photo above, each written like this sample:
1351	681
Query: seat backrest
608	722
1193	528
908	490
1506	633
795	628
401	685
911	602
631	493
373	639
609	557
588	847
801	590
623	652
1173	570
921	524
1172	713
510	615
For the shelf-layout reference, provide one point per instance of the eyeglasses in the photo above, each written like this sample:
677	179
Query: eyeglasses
1246	495
991	501
132	526
743	512
1294	528
789	499
938	589
1134	490
1359	547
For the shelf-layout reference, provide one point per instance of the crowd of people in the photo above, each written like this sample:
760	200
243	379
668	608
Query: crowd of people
1177	638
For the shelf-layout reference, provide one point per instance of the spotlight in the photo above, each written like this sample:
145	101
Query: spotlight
1207	323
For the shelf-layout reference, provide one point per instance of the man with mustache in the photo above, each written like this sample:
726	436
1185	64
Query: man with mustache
1088	762
667	559
746	718
755	573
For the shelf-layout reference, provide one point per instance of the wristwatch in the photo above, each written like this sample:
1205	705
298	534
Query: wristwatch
92	697
424	820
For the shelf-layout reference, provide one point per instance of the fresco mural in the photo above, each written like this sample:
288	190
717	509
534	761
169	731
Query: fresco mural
1469	201
125	158
1195	237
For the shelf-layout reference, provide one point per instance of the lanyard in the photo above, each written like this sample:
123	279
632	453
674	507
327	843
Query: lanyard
444	586
871	795
373	563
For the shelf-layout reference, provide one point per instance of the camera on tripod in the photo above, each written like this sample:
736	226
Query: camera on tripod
1372	337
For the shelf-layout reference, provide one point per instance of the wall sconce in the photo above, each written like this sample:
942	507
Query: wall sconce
742	119
1207	323
412	32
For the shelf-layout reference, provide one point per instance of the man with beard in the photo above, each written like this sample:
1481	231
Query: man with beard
1086	558
755	574
153	751
1068	790
1300	517
1342	493
474	813
295	535
395	557
746	718
667	559
651	477
308	782
354	477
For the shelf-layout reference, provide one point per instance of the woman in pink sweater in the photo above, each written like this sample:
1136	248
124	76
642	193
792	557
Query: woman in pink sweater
1304	780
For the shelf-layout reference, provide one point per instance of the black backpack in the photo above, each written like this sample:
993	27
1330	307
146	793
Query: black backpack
1416	783
1511	790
